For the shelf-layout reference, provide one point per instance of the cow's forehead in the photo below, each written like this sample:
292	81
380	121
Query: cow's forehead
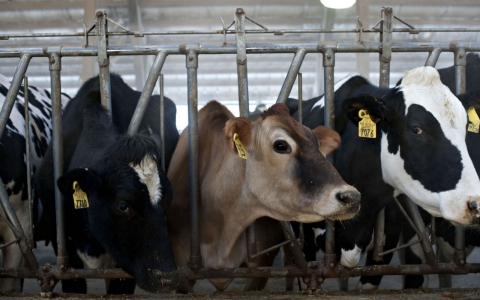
285	124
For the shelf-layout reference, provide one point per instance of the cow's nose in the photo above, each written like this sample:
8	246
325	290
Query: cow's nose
348	197
472	205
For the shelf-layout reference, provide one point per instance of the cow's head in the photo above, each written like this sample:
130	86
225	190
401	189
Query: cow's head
128	196
422	128
286	170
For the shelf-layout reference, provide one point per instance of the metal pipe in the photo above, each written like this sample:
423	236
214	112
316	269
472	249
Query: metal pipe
378	236
295	247
13	91
413	212
55	68
29	226
300	102
103	60
291	75
386	53
146	93
433	57
242	63
193	156
162	120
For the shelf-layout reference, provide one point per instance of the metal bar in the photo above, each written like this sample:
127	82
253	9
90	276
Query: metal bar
13	91
29	226
413	212
300	111
162	120
433	57
9	243
103	60
55	68
295	247
242	63
270	249
193	156
146	93
378	236
291	75
386	39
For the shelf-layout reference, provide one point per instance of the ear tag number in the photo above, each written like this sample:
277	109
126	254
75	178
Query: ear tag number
80	199
366	127
240	149
474	120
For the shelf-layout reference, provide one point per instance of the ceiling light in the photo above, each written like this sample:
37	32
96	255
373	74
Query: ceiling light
338	4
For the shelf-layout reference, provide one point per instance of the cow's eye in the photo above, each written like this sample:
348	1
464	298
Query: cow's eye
281	146
124	208
416	130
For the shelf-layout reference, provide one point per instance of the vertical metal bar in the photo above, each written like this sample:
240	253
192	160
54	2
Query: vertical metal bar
192	65
162	120
460	62
386	39
433	57
291	75
414	214
55	68
295	246
146	93
329	80
242	62
103	60
378	237
300	101
29	226
13	91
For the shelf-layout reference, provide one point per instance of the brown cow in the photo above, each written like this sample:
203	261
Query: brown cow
285	177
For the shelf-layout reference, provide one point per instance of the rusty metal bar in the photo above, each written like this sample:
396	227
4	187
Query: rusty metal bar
300	110
146	93
433	57
242	63
295	246
291	75
103	60
192	66
386	54
270	249
9	243
29	226
55	68
162	119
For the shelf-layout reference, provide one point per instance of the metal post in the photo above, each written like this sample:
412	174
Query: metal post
29	226
192	65
242	62
291	75
146	93
13	91
378	236
162	120
295	246
103	60
433	57
300	102
386	39
329	80
55	68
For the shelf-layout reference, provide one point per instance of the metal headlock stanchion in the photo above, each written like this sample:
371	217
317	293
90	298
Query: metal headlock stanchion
312	273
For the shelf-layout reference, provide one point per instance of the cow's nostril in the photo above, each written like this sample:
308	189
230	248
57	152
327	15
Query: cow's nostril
348	197
473	205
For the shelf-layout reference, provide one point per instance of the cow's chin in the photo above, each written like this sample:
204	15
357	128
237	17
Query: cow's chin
343	216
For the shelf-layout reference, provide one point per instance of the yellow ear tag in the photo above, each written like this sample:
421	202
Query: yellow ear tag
366	127
80	199
474	120
240	149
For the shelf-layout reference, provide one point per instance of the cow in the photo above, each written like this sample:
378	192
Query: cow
83	250
13	165
420	126
281	173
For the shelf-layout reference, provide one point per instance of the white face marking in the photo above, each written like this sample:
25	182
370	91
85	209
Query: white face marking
336	86
148	173
350	258
103	261
422	86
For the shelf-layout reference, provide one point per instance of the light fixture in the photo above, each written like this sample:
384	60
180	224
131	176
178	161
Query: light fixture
338	4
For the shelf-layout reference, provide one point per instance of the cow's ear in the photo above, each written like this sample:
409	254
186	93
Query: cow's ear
242	127
87	182
375	107
470	99
329	139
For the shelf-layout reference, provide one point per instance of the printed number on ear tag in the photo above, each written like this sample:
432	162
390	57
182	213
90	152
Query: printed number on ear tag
240	149
366	127
80	199
473	120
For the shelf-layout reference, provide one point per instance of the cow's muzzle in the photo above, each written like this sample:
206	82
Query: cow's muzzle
351	199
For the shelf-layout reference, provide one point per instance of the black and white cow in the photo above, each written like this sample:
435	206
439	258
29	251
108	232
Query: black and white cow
420	126
13	169
143	230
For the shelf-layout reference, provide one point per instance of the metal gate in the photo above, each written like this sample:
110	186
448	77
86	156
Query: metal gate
312	273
